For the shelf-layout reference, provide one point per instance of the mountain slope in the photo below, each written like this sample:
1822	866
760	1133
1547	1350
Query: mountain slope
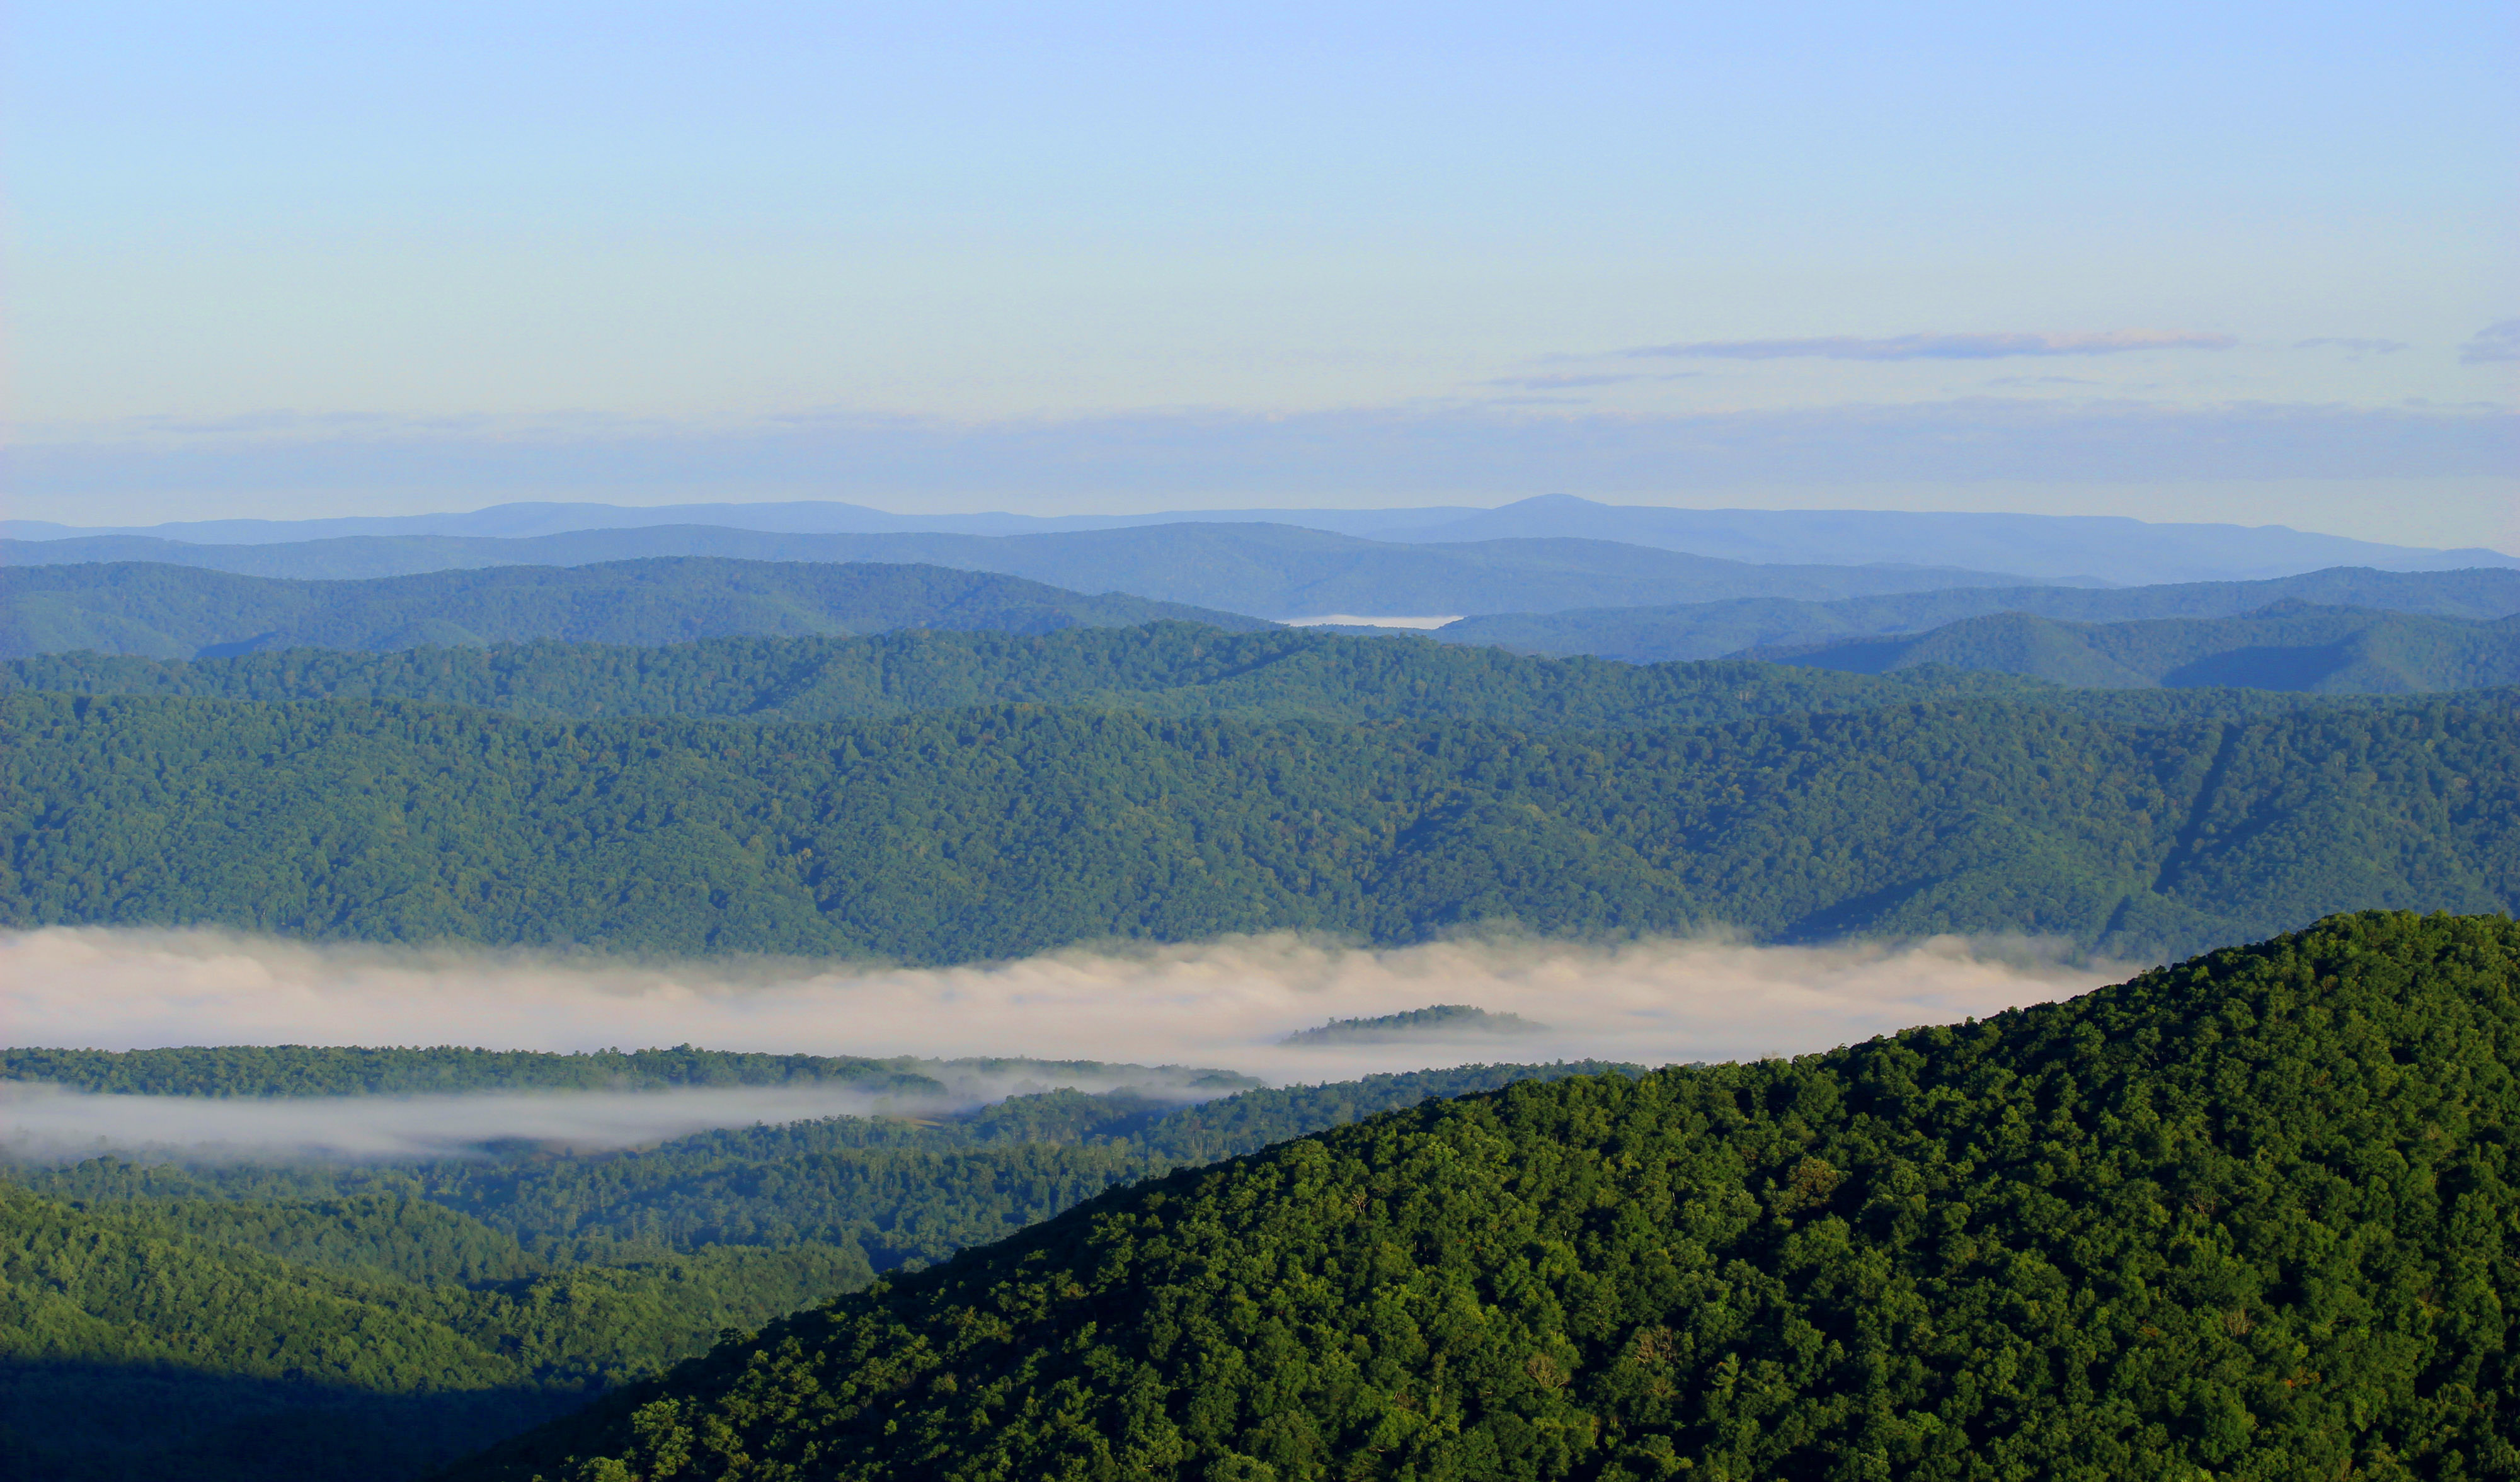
960	835
1267	570
1714	630
2249	1216
170	611
2291	646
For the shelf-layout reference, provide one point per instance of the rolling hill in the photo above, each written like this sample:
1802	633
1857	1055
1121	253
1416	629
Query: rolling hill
2249	1216
170	612
2289	646
957	836
1271	571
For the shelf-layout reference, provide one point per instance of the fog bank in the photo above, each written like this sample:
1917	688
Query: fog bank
1223	1002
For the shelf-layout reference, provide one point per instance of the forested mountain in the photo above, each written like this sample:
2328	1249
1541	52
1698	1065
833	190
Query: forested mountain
315	1322
1263	569
1174	669
170	611
1164	668
1712	630
2291	646
957	835
2250	1216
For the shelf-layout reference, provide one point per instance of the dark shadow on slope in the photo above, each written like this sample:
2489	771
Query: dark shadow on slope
66	1420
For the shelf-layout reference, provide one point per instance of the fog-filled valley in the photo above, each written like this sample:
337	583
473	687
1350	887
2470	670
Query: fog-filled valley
437	1003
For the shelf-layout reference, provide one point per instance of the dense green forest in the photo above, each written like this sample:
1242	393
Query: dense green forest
963	835
1711	630
1271	570
309	1322
2250	1216
1163	668
2292	646
170	611
365	1336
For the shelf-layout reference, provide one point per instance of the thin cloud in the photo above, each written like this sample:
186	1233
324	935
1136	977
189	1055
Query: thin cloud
2357	346
1937	346
2497	341
1577	380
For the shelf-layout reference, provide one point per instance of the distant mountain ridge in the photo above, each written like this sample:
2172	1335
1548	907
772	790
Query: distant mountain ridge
2047	547
1269	572
166	612
2289	646
1715	630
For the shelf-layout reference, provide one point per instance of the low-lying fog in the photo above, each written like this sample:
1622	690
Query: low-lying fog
1216	1004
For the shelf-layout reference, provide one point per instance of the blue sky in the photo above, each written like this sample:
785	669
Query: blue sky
2241	261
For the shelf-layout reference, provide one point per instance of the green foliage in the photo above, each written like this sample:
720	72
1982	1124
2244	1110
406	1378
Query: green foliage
2287	646
2251	1217
1713	629
361	1336
960	835
170	612
1163	668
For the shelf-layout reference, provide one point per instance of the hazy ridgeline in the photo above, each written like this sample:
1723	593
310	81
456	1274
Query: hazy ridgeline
1715	629
2287	646
1270	570
170	611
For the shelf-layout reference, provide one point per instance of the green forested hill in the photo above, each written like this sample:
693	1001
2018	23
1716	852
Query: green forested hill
1166	668
1714	629
960	835
2291	646
2252	1216
171	611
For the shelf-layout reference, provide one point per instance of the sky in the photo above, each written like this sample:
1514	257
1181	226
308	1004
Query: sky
2234	262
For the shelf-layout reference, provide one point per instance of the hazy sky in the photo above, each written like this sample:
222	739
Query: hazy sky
283	258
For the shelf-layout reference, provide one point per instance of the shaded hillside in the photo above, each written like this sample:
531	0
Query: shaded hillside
2291	646
960	835
170	611
2250	1216
365	1336
1270	570
1713	630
